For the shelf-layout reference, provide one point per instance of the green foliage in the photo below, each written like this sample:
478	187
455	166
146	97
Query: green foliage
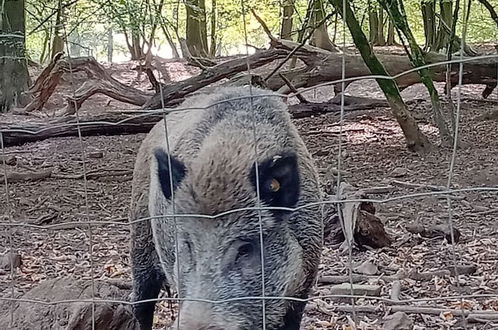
87	22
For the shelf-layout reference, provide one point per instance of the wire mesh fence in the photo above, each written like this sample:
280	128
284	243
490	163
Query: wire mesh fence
449	298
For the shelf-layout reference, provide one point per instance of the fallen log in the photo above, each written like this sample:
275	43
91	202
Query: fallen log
112	123
323	66
211	75
122	123
351	103
73	314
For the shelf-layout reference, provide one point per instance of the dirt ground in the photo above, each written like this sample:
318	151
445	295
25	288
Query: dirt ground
373	154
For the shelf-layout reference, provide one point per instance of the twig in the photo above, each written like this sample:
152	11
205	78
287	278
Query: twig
474	316
378	190
356	278
263	25
94	174
417	185
413	275
293	89
45	174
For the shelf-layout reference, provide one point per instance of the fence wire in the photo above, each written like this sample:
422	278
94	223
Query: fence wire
448	192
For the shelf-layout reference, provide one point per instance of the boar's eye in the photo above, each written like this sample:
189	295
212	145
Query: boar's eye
279	181
245	251
274	185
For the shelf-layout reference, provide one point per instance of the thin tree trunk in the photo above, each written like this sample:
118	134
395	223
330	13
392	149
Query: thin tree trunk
212	48
415	139
381	40
46	41
287	13
305	26
390	34
136	49
373	23
429	18
396	11
336	21
171	43
320	36
14	76
196	36
110	44
58	41
443	35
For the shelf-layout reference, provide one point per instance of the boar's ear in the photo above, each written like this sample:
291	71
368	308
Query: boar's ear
169	178
278	180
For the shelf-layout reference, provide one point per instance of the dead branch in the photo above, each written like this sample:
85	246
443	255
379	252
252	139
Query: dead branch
293	89
95	174
28	176
263	25
80	315
434	231
472	316
103	82
211	75
417	185
351	103
46	174
104	124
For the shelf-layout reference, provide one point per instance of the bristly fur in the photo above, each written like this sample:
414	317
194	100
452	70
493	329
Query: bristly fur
212	164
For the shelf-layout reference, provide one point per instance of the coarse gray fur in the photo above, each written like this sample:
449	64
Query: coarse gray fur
217	147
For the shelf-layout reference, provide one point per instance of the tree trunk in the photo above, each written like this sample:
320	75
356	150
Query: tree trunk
415	139
390	34
212	48
46	41
429	18
381	40
136	49
169	39
287	13
172	44
110	44
444	26
75	43
196	36
373	23
398	16
13	64
320	36
58	41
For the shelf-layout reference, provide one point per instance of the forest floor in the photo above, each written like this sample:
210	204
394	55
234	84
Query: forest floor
373	154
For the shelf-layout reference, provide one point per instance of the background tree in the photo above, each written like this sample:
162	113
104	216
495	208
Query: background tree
14	74
196	36
287	20
320	36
